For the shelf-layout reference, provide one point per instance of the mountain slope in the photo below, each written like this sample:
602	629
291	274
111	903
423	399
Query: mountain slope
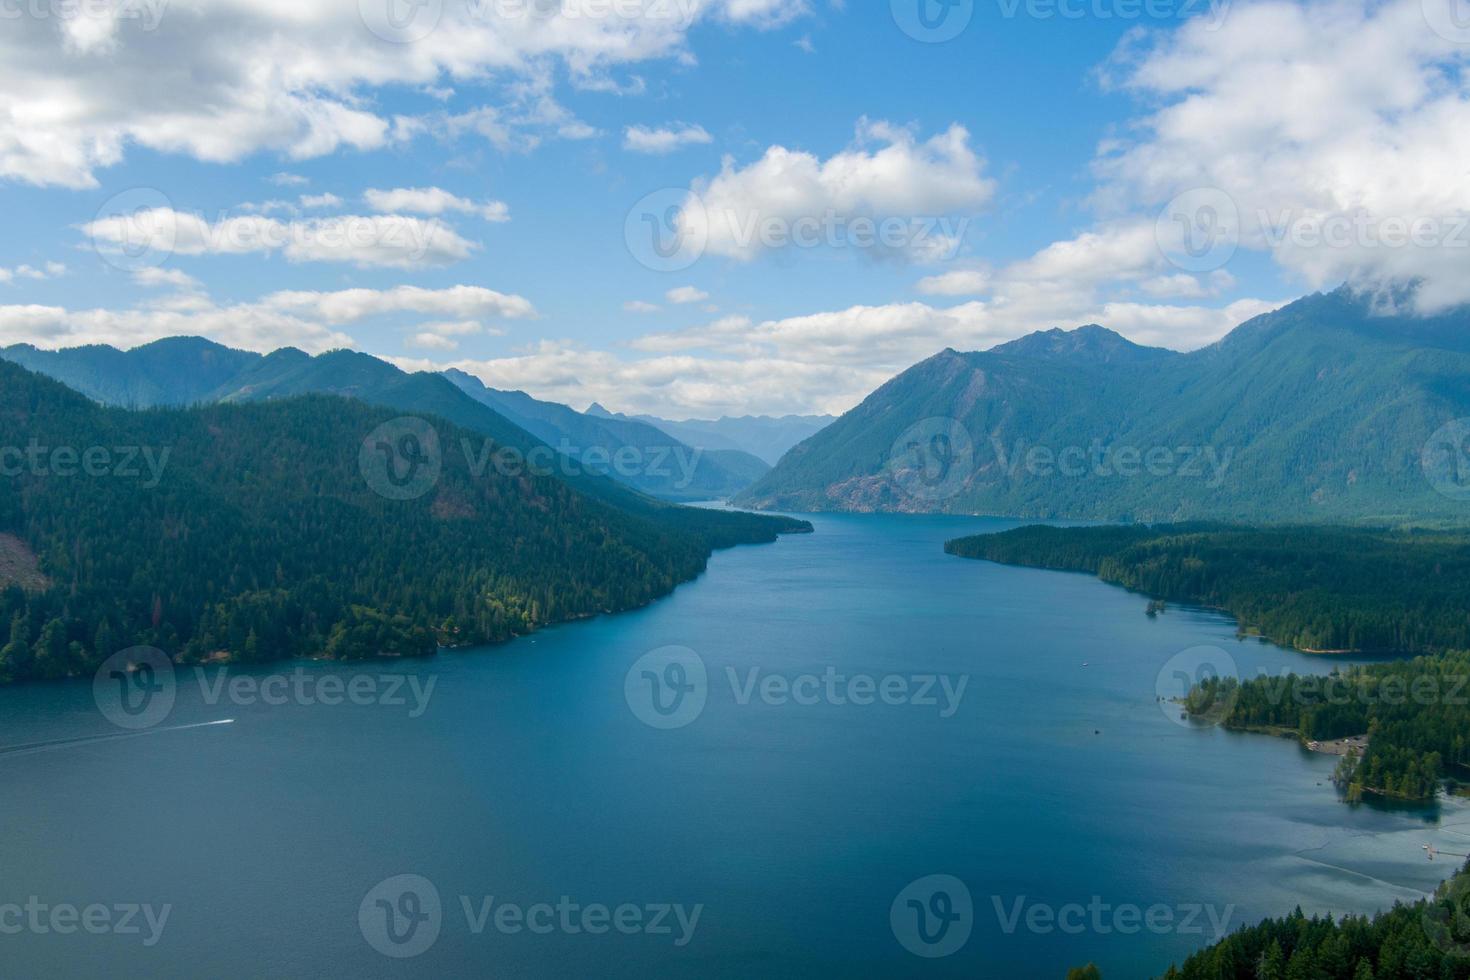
349	374
1318	411
257	531
174	371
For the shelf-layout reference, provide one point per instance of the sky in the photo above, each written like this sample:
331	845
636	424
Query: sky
696	208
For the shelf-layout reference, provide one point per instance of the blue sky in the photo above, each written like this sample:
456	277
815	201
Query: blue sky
1031	169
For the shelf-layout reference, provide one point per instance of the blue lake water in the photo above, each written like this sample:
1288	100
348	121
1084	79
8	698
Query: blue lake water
531	776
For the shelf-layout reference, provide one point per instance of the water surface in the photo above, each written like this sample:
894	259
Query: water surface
528	778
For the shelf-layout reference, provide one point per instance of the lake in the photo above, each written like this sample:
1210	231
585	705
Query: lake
840	754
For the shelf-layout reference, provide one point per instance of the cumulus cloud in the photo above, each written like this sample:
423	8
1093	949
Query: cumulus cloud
686	294
349	305
48	270
387	240
308	320
889	192
219	80
959	282
664	139
156	276
312	201
1359	175
433	200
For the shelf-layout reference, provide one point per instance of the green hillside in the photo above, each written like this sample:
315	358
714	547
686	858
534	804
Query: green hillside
1319	411
257	531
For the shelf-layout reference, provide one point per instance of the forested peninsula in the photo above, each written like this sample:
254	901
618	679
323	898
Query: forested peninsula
1318	589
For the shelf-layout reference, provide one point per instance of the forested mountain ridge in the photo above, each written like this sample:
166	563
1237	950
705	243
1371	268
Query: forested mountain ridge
257	531
189	370
1319	411
173	371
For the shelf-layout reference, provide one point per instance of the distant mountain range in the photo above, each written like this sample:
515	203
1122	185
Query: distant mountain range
666	466
1321	410
184	371
766	437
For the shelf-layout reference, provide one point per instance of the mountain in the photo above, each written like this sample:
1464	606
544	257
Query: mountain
641	455
303	526
765	437
175	371
1091	344
1324	410
189	370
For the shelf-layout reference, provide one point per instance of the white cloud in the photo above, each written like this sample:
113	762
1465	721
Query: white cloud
284	179
433	200
246	326
48	270
686	294
320	201
960	282
640	306
388	240
219	80
156	276
307	320
349	305
1336	128
665	139
763	13
433	341
1187	286
888	177
460	328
